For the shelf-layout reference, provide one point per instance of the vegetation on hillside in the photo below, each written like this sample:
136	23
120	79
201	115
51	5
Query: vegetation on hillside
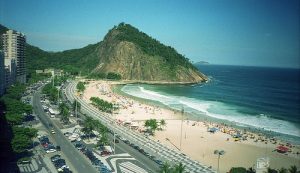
74	61
151	46
109	76
152	61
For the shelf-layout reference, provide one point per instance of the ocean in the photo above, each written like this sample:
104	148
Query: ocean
257	98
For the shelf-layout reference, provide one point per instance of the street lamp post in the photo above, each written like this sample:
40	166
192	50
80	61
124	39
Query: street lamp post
219	153
76	112
182	112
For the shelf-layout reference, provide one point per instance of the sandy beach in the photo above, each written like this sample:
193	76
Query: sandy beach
197	142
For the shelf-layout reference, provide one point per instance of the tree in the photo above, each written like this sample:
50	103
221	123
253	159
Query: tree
15	91
22	139
80	86
104	139
64	112
151	124
65	115
50	91
282	170
88	126
251	170
293	169
74	106
166	168
102	104
162	123
238	170
20	143
14	119
113	76
179	168
270	170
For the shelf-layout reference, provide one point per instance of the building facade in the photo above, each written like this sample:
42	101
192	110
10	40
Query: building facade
14	55
2	74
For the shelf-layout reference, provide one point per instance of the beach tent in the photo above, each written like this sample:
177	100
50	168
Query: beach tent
282	149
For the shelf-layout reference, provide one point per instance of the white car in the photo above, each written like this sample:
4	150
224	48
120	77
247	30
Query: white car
52	131
51	151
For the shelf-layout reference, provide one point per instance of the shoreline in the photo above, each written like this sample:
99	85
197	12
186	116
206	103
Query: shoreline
195	117
124	82
197	142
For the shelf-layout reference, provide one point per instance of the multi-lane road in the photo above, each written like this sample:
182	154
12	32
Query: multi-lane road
154	148
77	160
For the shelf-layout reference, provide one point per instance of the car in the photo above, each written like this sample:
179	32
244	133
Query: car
67	134
51	150
105	153
136	147
141	150
55	157
116	141
59	163
159	162
64	170
152	157
58	148
52	131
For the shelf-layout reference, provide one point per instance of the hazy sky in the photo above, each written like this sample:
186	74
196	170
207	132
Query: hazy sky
238	32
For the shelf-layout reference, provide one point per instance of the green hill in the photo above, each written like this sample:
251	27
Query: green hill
125	51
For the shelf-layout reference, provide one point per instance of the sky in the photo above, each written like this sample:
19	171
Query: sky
230	32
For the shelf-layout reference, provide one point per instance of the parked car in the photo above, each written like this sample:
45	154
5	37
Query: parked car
55	157
58	148
51	150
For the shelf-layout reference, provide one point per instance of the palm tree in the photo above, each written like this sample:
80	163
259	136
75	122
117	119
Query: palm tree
251	170
88	126
166	168
64	111
179	168
152	124
74	106
65	114
293	169
162	123
282	170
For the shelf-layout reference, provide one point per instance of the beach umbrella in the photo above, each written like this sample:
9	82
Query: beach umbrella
282	149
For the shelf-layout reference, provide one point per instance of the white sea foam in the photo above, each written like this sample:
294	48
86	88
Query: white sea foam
217	110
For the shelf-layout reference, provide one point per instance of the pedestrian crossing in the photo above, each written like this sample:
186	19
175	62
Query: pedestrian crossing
128	167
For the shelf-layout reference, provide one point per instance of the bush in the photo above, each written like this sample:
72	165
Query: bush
102	104
113	76
238	170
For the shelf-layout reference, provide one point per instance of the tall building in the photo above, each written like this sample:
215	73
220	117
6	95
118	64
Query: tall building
14	55
2	74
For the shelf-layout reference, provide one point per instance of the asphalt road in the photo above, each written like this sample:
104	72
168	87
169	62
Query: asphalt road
141	158
121	147
74	156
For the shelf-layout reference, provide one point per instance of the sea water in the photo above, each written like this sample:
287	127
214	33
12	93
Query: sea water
260	98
